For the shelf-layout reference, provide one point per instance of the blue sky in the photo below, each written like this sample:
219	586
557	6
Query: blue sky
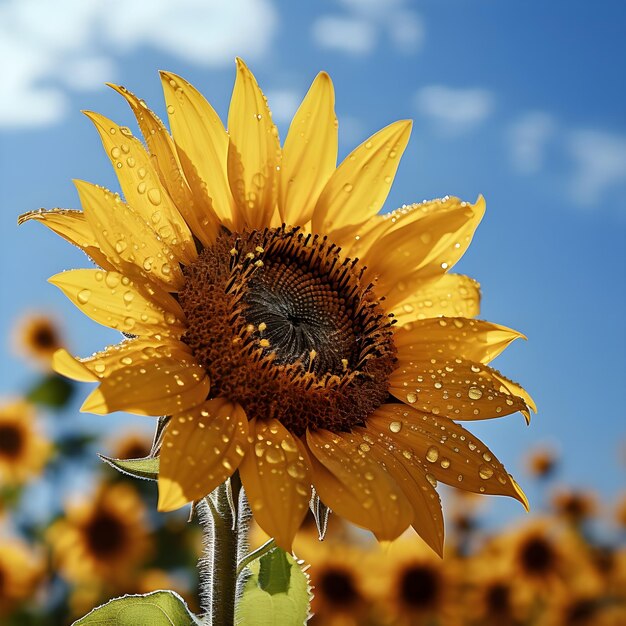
524	102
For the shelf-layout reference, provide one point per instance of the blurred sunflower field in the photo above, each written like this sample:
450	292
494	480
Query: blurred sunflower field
516	107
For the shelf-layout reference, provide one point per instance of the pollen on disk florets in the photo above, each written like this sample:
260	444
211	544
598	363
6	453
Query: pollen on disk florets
284	326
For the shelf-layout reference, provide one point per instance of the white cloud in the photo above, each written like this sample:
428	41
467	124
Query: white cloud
283	103
454	111
348	34
600	164
528	138
358	32
50	47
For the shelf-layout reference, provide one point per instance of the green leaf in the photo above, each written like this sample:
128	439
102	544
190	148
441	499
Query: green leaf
276	594
53	391
147	468
274	572
159	608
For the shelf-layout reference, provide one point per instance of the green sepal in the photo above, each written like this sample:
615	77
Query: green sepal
159	608
277	593
146	468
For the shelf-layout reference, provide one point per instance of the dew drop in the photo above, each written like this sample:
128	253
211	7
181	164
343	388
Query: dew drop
475	393
154	195
115	152
364	447
141	187
83	296
485	472
128	297
348	187
411	397
432	454
395	427
487	457
273	456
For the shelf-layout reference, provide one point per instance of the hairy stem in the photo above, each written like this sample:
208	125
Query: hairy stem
225	519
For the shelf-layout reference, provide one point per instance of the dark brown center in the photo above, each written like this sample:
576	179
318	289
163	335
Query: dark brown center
537	556
498	599
11	440
283	325
44	337
420	587
337	587
106	535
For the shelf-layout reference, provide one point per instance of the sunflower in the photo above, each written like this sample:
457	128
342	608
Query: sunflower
415	586
291	332
38	337
21	569
542	462
340	596
23	450
103	539
131	445
574	505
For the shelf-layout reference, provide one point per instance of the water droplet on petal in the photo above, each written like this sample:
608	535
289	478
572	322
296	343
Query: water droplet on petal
432	454
475	393
395	427
485	472
83	296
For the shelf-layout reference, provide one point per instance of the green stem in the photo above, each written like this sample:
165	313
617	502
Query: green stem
255	554
225	530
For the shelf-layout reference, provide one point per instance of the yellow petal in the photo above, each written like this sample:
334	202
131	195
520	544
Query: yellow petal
275	474
450	453
196	207
411	476
202	447
517	390
126	239
73	227
253	151
354	484
201	142
142	187
65	364
473	340
359	187
113	300
309	154
423	240
168	382
457	388
451	294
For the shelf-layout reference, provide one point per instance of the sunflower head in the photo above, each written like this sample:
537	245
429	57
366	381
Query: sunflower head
103	539
38	337
291	332
24	451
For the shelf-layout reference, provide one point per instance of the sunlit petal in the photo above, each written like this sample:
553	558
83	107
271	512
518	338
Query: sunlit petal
254	151
202	447
359	187
112	299
276	476
356	486
309	154
450	453
142	187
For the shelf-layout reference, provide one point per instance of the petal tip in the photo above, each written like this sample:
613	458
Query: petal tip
170	496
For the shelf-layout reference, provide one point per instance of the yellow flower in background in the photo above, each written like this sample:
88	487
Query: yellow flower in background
340	596
574	505
21	569
38	337
281	322
24	451
542	462
102	539
131	445
415	585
